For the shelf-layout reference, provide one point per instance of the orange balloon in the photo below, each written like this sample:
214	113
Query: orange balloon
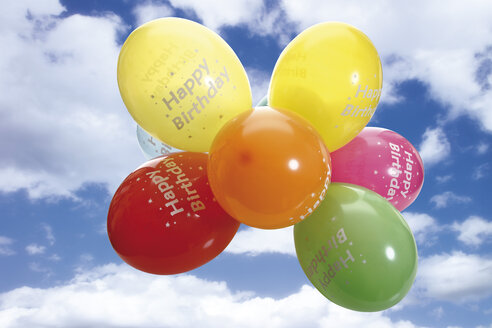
268	168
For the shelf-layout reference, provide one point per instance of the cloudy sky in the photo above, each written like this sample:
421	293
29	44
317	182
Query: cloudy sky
67	142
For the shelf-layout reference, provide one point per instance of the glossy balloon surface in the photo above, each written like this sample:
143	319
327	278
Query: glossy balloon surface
151	147
269	169
163	219
181	82
357	249
331	75
383	161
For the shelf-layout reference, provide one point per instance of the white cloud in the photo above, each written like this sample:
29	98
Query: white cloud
39	268
423	226
149	11
438	312
60	105
252	241
482	148
435	147
444	199
480	171
444	178
12	10
50	237
5	244
474	231
217	13
456	277
54	258
34	249
85	262
115	296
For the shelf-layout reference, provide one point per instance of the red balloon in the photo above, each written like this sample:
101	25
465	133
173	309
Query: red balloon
164	219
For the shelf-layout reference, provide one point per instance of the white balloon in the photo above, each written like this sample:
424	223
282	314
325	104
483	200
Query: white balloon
151	147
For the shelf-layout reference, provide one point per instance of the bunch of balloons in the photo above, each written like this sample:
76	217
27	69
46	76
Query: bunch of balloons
301	157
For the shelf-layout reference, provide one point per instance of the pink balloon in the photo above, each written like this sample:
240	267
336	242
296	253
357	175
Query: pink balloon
383	161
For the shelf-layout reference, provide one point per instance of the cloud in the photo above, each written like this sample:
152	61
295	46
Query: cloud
482	148
435	147
216	13
253	242
39	268
54	257
438	312
480	171
424	227
115	296
474	231
5	244
149	11
444	178
60	109
444	199
9	17
261	19
34	249
455	277
50	237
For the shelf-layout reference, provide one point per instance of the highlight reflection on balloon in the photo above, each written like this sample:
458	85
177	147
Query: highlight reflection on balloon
357	249
269	169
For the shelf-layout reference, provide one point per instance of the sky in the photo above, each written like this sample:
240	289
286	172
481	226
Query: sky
67	142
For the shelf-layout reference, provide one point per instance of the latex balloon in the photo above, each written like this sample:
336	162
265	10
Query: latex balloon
181	82
163	219
357	249
152	147
263	102
383	161
269	169
331	75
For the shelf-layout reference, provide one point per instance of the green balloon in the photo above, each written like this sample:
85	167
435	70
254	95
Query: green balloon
263	102
357	249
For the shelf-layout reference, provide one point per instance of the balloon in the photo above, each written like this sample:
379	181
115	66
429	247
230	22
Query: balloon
357	249
163	219
181	82
331	75
268	169
152	147
383	161
263	102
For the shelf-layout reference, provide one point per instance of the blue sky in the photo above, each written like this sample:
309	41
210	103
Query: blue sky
67	142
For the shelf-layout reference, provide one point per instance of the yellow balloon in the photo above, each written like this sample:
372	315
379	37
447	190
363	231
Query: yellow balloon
181	82
331	75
